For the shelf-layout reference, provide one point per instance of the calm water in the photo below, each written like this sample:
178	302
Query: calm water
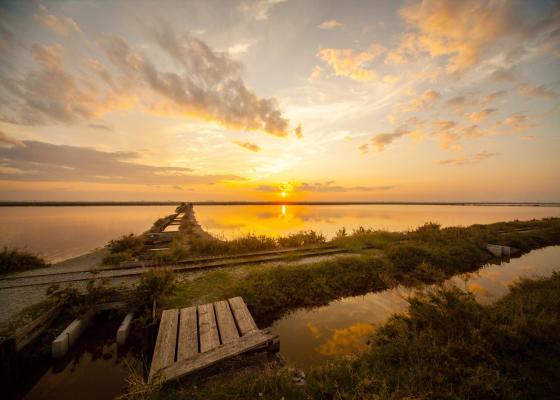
232	221
58	233
308	337
93	369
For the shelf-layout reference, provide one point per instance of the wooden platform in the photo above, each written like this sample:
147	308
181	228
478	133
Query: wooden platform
193	338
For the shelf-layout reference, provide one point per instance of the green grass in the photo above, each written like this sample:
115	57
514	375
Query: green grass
426	255
447	346
13	260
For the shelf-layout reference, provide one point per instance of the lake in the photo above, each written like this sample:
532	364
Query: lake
58	233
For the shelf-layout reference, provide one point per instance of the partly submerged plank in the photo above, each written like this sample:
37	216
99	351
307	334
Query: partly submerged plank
208	331
242	315
226	323
164	352
187	342
203	360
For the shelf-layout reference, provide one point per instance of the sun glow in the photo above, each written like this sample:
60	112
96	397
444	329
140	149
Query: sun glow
283	194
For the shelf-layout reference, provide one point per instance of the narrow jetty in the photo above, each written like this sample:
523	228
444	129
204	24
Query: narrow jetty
194	338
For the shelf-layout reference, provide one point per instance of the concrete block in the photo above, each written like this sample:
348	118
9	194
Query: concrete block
495	249
124	329
60	345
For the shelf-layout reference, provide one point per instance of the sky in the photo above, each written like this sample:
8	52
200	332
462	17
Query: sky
270	100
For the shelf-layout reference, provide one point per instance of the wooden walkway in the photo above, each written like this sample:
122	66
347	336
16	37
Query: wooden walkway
193	338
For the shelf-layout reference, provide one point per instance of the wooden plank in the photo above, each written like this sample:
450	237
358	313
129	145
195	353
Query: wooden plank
207	329
187	342
245	321
226	323
203	360
164	352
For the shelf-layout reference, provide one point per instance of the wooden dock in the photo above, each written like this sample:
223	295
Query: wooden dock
191	339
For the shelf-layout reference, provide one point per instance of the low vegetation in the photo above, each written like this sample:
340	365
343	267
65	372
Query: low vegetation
123	249
427	255
447	346
76	302
154	286
13	260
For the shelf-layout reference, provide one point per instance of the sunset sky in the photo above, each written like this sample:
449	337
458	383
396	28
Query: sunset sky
319	100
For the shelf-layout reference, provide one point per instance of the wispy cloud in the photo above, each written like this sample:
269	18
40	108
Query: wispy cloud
352	64
259	9
323	187
481	115
330	24
468	159
10	141
248	146
63	26
528	89
39	161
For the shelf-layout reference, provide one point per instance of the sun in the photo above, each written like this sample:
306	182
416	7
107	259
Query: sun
283	194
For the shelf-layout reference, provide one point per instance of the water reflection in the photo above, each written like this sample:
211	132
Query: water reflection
94	368
308	337
58	233
232	221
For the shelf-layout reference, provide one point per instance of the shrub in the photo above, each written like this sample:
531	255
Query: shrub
153	287
12	260
303	238
125	248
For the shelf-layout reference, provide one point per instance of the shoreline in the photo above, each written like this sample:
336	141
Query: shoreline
267	203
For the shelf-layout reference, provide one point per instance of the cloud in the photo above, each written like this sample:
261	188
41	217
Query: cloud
459	103
381	140
330	24
518	122
50	94
61	25
503	75
205	85
259	9
101	127
39	161
481	115
316	72
493	96
240	48
9	141
528	89
459	30
351	64
210	86
298	131
528	138
468	159
364	148
391	79
323	187
248	145
421	102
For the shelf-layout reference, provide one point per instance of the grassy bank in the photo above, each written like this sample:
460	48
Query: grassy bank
427	255
447	346
13	260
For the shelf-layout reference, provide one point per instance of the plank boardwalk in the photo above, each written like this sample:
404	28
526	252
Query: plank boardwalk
193	338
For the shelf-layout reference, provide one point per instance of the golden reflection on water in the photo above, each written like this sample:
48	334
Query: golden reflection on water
309	336
232	221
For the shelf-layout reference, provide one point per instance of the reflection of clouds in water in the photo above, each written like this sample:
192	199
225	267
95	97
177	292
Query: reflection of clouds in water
215	224
347	340
314	330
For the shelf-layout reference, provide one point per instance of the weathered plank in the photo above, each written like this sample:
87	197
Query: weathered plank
245	321
164	352
208	331
203	360
226	323
187	342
